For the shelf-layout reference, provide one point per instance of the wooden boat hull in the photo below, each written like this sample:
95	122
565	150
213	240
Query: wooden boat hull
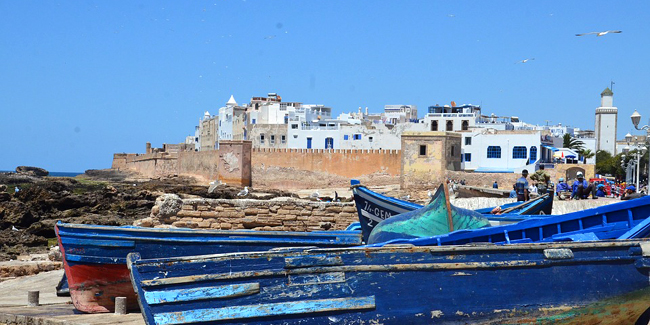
94	257
605	222
525	283
373	208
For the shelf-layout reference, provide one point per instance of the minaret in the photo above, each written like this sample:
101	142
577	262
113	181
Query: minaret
606	123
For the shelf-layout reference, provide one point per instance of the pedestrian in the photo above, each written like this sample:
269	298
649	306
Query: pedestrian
630	193
513	193
533	189
563	190
581	188
495	185
542	178
521	186
600	190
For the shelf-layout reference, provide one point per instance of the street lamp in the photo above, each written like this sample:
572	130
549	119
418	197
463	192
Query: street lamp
636	118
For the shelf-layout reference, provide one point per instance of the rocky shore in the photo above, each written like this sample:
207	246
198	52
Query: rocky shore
32	202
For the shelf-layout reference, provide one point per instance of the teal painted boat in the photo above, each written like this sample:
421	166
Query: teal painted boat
436	218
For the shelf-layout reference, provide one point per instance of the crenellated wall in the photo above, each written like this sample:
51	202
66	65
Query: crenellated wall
346	163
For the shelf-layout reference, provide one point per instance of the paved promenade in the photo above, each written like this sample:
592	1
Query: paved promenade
53	310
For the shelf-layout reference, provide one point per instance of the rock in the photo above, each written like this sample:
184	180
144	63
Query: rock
169	205
146	222
3	188
33	171
54	254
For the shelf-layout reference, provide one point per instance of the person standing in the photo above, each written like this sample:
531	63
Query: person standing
521	186
495	185
582	188
542	178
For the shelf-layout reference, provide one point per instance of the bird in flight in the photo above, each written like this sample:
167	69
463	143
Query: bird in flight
600	33
525	60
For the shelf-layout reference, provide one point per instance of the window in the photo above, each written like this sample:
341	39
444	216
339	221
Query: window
252	121
519	153
453	149
450	125
357	137
465	125
468	157
283	139
294	126
468	141
494	152
423	150
369	139
295	136
272	139
261	138
434	125
533	154
345	137
329	143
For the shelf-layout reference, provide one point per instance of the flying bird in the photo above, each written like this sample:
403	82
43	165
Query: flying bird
525	60
243	192
600	33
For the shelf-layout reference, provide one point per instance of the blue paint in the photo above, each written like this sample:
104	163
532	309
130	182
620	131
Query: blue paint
605	222
226	291
400	285
264	310
95	242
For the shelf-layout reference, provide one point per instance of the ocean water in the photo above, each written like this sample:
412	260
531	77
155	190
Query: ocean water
52	174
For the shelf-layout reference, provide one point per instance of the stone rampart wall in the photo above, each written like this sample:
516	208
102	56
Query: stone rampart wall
341	162
286	214
200	164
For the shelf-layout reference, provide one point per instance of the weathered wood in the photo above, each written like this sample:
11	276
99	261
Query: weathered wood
526	283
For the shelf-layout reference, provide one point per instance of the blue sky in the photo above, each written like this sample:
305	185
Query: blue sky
81	80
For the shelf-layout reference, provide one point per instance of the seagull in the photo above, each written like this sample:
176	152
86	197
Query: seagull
600	33
315	195
430	195
14	228
269	37
243	192
524	61
405	197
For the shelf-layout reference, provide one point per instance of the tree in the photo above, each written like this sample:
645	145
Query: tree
586	153
572	143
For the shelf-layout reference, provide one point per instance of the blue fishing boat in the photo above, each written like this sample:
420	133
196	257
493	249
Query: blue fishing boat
94	257
373	208
602	282
605	222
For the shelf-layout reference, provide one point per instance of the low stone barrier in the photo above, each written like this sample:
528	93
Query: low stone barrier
285	214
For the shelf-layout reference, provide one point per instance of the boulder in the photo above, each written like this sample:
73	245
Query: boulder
33	171
169	205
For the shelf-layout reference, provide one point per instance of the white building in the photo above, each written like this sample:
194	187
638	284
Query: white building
606	123
489	150
232	121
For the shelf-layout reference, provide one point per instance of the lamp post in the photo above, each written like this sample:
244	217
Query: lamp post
636	118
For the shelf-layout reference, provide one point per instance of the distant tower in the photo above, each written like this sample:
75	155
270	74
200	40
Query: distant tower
606	122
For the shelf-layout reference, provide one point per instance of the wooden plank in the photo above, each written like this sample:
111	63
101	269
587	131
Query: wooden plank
97	242
217	292
265	310
320	278
314	260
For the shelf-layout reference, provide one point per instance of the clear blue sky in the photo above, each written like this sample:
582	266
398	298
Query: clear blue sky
81	80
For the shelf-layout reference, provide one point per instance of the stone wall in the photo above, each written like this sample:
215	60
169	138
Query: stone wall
286	214
340	162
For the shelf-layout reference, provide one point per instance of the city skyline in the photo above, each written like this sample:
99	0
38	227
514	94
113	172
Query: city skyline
85	80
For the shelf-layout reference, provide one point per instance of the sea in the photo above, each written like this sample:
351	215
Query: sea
52	174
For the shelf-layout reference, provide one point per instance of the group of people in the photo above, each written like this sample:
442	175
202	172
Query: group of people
580	190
